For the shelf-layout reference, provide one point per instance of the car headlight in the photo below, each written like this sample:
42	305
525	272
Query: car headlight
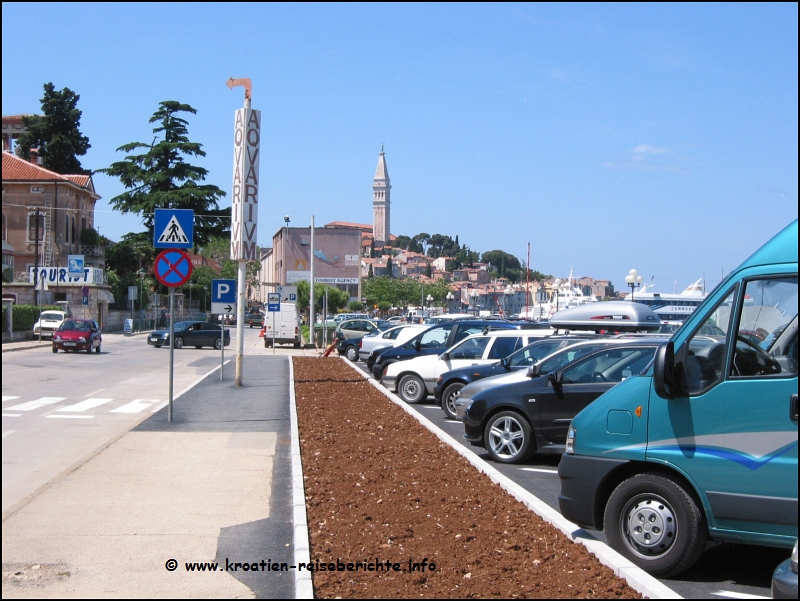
82	339
56	337
571	435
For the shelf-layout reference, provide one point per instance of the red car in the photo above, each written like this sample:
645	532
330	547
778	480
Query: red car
77	335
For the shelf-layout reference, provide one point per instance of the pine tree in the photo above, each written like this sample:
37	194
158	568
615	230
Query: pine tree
161	178
56	134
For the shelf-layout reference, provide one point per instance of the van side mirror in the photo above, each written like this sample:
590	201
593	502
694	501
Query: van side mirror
667	373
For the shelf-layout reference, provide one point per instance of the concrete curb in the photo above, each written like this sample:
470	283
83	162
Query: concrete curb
303	586
638	579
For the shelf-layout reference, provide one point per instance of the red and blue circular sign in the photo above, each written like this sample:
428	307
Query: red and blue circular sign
173	268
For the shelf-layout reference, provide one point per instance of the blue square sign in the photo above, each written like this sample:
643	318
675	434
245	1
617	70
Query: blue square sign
173	228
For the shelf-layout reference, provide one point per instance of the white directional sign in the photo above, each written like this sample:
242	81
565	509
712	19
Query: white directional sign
273	302
288	294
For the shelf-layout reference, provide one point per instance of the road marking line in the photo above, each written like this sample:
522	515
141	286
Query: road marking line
537	469
12	415
8	432
84	405
72	416
9	398
31	405
735	595
134	406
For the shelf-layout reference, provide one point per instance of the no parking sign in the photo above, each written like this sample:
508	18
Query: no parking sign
173	268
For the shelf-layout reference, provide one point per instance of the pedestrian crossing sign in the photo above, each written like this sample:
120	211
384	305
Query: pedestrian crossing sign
173	228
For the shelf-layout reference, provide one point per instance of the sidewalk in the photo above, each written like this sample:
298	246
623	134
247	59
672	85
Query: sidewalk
212	486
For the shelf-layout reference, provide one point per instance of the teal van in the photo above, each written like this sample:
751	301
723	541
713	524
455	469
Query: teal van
703	445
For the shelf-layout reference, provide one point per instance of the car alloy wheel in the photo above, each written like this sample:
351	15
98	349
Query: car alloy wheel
178	342
352	353
411	389
218	343
654	522
451	393
55	349
509	438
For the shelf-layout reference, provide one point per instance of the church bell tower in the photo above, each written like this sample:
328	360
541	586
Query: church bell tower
380	202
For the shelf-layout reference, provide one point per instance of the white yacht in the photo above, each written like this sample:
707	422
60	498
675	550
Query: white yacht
671	307
563	296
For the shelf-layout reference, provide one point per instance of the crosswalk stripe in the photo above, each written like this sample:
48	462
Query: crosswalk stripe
134	406
31	405
84	405
9	398
71	416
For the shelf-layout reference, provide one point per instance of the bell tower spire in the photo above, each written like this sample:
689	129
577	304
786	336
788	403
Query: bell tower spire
380	202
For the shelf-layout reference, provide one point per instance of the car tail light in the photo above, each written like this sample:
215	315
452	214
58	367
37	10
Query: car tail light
359	344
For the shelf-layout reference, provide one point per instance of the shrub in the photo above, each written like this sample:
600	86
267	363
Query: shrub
24	316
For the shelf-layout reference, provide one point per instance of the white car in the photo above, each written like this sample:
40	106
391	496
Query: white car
49	322
414	380
391	337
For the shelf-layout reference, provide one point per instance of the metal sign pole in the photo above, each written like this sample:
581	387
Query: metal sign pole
222	348
273	332
241	301
171	347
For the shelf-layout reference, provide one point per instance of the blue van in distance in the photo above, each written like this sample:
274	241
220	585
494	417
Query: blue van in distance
703	445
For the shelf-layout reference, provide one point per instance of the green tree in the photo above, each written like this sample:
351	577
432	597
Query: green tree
161	178
56	134
389	267
354	306
502	261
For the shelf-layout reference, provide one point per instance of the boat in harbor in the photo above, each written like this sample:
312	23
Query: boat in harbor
565	295
671	307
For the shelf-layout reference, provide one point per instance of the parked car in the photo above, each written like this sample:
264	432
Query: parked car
394	336
254	319
414	380
356	328
514	421
191	333
49	322
434	340
449	384
77	335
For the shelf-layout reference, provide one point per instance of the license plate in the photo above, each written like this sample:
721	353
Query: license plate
70	344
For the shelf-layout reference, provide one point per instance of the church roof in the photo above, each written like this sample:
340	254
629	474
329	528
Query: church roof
380	171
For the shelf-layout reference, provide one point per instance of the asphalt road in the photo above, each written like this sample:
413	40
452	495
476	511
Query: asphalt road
725	571
59	409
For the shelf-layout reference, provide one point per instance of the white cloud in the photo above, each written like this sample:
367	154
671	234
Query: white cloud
647	149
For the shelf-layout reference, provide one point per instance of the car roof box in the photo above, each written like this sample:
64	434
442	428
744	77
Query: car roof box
610	316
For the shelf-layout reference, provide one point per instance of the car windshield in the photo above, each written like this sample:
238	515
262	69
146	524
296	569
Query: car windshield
52	315
75	326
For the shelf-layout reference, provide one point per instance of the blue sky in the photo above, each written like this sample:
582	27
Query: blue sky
609	136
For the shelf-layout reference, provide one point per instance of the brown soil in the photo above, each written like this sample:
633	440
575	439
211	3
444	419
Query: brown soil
379	486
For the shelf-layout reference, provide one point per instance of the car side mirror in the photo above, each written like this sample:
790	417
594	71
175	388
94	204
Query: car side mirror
555	379
504	362
533	371
417	344
445	357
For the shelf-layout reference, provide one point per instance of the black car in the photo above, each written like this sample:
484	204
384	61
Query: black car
449	384
514	421
191	333
349	347
254	319
433	341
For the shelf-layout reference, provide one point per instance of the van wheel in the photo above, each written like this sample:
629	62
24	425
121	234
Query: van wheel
449	396
656	524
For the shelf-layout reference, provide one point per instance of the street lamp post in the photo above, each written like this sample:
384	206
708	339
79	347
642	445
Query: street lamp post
506	293
557	284
633	280
450	298
430	301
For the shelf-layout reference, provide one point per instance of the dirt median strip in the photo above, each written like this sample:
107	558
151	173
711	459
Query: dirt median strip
381	489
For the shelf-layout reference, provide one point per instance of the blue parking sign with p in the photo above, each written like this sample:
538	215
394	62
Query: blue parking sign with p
223	291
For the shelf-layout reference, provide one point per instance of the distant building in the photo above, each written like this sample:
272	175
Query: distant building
381	205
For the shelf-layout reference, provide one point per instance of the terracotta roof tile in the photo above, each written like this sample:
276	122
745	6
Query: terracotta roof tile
17	169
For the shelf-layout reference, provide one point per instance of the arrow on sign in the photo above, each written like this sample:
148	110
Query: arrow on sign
228	309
